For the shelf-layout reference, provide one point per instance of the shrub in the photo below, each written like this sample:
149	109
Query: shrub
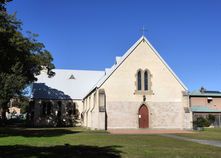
201	122
211	119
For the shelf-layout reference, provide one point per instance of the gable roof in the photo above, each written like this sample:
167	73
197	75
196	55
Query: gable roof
119	61
62	87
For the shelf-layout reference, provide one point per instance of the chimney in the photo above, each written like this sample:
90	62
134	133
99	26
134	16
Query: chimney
202	89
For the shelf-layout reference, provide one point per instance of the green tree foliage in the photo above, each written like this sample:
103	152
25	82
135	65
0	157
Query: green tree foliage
2	4
201	122
21	57
204	121
211	119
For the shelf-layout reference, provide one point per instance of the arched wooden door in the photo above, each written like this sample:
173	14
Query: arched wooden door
143	117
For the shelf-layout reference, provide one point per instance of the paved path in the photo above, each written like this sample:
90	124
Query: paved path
166	133
200	141
147	131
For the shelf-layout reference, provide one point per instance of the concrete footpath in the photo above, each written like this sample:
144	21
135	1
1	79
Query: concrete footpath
200	141
147	131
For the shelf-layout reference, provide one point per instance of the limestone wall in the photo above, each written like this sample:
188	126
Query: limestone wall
161	114
39	120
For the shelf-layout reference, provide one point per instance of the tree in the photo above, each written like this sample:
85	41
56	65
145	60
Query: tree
201	122
2	4
22	58
211	118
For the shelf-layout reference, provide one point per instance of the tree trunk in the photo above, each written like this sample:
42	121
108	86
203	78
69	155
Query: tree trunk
3	113
3	116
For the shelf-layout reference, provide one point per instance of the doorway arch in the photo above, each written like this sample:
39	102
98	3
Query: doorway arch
143	116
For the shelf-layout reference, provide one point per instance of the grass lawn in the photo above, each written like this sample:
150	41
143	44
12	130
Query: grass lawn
208	133
80	143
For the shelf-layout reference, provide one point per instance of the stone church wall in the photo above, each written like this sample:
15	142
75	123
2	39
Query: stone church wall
161	115
36	118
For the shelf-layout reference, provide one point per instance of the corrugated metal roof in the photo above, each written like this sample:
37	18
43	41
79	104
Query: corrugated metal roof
203	109
66	84
206	93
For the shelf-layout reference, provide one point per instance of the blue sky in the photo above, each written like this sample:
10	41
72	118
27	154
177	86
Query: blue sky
88	34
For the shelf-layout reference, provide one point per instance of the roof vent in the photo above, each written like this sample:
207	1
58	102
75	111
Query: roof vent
72	77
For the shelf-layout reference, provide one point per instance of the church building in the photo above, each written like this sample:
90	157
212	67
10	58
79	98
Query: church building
139	91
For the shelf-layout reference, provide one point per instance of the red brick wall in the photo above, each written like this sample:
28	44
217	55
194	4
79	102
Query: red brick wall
202	101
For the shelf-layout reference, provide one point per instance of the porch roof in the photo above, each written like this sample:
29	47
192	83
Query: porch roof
203	109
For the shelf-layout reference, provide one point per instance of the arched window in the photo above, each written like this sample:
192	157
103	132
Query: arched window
146	80
102	100
49	108
44	106
139	85
143	82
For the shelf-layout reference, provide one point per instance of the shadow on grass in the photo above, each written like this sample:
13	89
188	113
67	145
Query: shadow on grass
38	132
62	151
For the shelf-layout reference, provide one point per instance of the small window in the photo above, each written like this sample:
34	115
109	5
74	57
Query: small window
139	86
209	99
145	80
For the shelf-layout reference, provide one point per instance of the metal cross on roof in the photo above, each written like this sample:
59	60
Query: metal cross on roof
143	30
